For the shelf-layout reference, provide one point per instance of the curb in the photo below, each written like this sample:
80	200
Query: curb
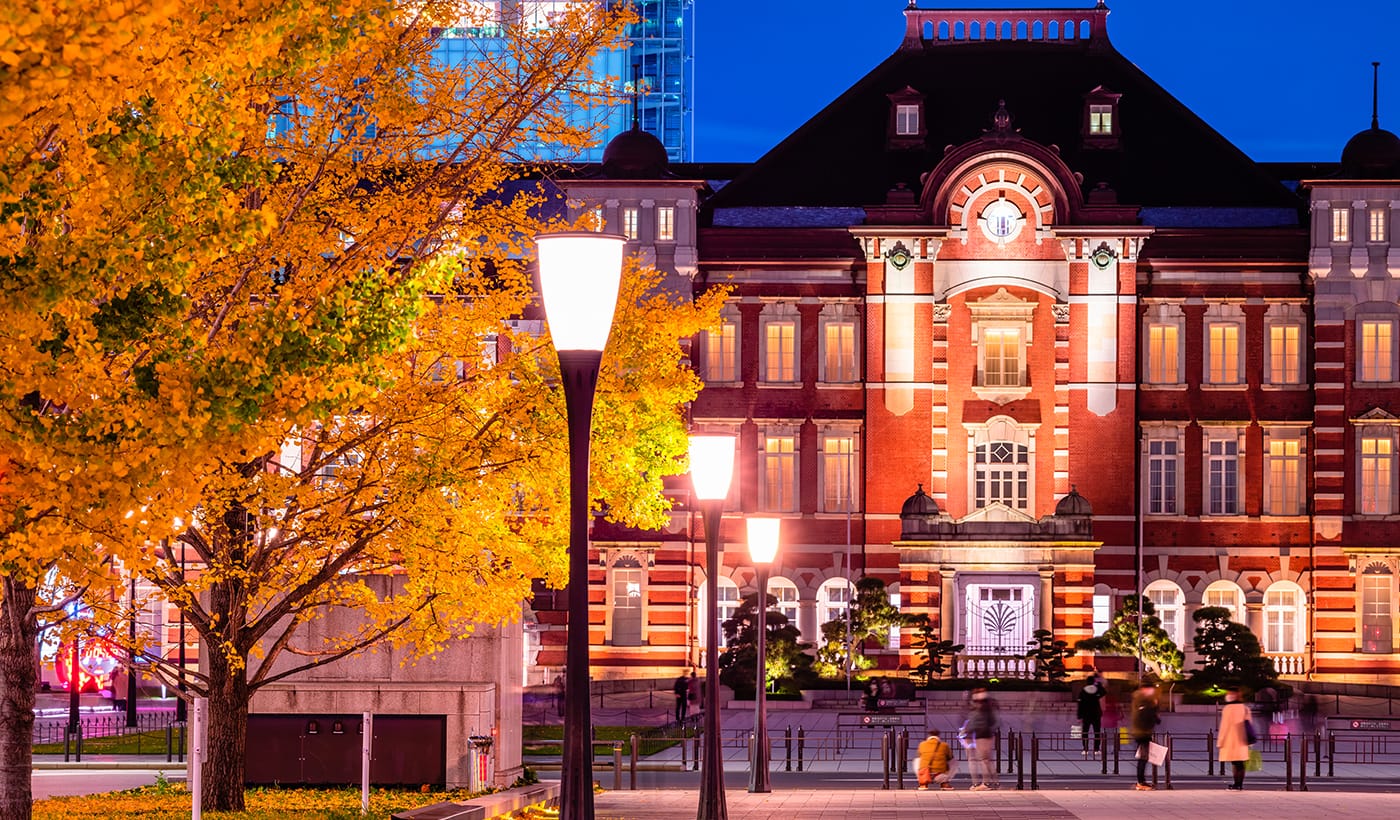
123	765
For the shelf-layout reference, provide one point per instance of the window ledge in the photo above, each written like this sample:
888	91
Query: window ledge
1163	386
762	385
1296	387
826	384
1001	395
1225	388
1360	385
1298	518
710	384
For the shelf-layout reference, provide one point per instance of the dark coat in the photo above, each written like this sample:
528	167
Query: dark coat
1091	701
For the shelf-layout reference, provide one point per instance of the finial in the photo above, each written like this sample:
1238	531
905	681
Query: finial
1002	118
1375	84
637	96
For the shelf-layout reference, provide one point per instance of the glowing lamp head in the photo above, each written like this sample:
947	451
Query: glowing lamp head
711	466
763	539
580	272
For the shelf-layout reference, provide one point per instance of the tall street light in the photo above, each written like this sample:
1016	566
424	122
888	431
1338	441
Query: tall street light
711	470
579	277
763	548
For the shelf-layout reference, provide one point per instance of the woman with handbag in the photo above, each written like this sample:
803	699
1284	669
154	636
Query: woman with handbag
1233	736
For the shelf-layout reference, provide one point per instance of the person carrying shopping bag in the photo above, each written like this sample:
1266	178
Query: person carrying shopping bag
1232	736
935	762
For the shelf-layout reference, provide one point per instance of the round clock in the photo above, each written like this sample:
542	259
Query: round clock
1001	219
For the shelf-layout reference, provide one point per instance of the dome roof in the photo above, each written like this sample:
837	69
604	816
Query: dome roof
1074	504
635	154
919	504
1372	154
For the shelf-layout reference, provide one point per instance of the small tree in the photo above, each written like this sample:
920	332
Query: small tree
872	617
1049	655
1230	654
784	658
1157	651
930	649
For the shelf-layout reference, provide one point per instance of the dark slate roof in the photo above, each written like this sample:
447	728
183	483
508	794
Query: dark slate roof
1169	157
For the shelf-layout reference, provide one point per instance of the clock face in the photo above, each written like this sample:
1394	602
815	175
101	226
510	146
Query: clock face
1001	219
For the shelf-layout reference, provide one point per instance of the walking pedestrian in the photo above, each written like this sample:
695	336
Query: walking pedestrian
693	691
1090	714
681	688
935	762
1231	737
982	725
1142	722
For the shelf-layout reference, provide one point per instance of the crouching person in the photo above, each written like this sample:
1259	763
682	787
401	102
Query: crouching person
935	762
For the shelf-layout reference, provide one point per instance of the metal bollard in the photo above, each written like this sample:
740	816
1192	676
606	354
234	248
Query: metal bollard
617	765
1020	762
1168	761
1303	764
78	750
901	755
885	758
1210	755
787	749
685	752
1117	748
801	742
1331	754
184	743
169	743
1288	762
996	751
1103	750
636	747
1317	753
695	753
1035	761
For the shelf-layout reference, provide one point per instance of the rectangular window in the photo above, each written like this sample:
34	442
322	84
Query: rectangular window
1375	218
780	474
1341	224
1002	473
1223	477
1001	357
780	351
1224	341
1162	355
1281	621
1103	613
1285	346
1100	119
1285	476
1376	350
838	474
1376	622
721	353
627	607
630	219
1377	474
1161	476
839	348
906	120
666	224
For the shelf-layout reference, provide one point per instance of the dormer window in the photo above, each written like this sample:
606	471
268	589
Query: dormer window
906	124
1101	129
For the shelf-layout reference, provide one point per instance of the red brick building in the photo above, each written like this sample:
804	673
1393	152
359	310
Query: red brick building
1020	349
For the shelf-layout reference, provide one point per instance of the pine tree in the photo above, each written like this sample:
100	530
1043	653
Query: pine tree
1157	651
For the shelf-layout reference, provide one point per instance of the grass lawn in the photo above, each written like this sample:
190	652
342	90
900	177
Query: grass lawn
653	739
150	743
166	801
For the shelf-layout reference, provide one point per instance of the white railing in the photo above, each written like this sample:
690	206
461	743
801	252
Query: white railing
993	666
1289	663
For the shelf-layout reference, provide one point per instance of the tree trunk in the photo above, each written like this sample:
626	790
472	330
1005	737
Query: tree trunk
19	630
228	734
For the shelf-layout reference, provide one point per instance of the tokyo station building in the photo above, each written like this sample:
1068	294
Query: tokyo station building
1020	348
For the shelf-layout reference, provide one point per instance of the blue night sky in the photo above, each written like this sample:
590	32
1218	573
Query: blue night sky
1285	80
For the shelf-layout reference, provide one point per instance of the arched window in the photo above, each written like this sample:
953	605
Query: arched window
728	603
833	599
1001	469
1283	618
786	593
1226	594
1168	602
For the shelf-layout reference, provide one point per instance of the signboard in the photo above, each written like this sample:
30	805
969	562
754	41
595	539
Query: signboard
1370	725
881	720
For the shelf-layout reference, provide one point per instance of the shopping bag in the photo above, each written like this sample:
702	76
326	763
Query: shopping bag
1251	737
1255	762
1156	754
1076	730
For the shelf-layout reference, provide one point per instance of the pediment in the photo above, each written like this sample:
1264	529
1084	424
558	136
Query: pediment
997	511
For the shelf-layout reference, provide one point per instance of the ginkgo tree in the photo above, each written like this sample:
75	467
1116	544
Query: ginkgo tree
188	289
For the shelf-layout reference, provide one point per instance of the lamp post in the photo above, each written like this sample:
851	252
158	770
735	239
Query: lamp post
579	277
763	548
711	469
131	663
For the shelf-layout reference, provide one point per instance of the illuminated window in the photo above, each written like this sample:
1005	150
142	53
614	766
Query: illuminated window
1163	468
1162	354
1167	602
1377	350
786	593
1341	224
1224	354
1377	620
1377	472
1100	119
1285	352
839	350
906	120
1002	473
628	577
1222	476
838	473
722	352
1226	595
833	599
1375	218
1103	612
666	224
779	473
1283	469
727	603
630	218
1001	357
1283	618
780	343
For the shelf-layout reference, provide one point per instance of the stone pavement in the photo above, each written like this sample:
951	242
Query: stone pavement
1259	804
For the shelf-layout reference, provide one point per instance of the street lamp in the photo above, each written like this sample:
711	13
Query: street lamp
579	277
711	470
763	548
